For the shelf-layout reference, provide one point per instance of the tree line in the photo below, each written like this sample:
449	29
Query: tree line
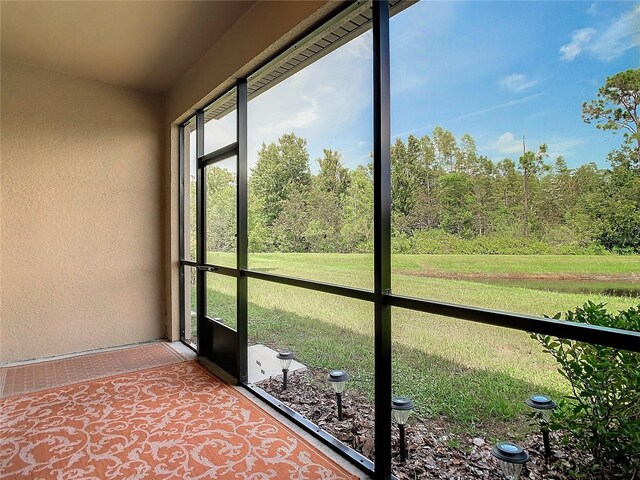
446	197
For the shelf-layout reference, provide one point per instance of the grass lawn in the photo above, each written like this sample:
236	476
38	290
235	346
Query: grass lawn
477	375
623	266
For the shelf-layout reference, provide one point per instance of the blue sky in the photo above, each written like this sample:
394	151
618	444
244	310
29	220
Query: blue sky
494	70
497	70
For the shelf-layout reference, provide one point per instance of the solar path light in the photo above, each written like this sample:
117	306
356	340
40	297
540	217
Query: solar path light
285	358
401	408
338	380
510	458
544	406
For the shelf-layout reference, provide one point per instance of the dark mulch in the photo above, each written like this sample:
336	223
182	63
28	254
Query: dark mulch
434	451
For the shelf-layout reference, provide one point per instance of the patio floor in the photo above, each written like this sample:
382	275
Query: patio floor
143	412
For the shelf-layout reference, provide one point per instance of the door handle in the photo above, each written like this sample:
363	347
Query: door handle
207	268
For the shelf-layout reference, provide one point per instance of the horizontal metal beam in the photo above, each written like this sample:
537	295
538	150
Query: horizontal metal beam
610	337
219	155
349	292
353	456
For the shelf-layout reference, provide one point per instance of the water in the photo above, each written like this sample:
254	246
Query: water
597	287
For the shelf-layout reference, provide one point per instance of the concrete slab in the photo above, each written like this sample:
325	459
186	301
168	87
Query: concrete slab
263	364
183	350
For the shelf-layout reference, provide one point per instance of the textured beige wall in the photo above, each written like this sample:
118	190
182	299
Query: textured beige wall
81	247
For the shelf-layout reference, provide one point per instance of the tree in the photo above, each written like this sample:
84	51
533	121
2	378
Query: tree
357	227
333	177
616	107
446	148
457	203
532	164
281	168
619	215
325	204
508	193
484	191
221	210
584	217
424	215
290	228
467	155
403	178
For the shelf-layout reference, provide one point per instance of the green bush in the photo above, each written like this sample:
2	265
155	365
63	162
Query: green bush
602	415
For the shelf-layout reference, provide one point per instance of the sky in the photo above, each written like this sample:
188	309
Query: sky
494	70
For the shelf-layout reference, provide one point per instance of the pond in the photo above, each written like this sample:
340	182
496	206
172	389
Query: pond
610	288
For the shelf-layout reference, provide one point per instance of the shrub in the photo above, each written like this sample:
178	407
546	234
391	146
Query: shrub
440	242
603	413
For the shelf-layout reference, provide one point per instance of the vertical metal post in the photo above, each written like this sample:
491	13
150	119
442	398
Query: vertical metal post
181	187
403	443
242	232
382	235
200	230
547	443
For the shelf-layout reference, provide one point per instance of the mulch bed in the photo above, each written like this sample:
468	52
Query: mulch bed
433	450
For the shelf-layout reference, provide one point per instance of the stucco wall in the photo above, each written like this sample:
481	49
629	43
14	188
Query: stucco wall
81	247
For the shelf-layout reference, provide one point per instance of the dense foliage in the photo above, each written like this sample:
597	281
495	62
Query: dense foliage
445	199
603	412
446	196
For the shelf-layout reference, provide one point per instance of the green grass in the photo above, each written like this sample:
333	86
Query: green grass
477	375
521	264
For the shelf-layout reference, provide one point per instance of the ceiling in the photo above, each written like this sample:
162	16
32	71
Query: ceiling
141	45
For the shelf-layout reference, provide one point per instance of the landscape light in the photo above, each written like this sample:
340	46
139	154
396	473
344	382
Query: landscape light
285	358
510	458
544	406
338	380
401	408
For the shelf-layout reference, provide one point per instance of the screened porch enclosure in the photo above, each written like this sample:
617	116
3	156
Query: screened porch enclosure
235	296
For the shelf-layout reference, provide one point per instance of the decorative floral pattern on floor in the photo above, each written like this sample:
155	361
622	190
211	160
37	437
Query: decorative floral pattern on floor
171	422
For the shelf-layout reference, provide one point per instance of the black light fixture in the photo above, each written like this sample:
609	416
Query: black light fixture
338	380
544	406
285	358
401	408
510	457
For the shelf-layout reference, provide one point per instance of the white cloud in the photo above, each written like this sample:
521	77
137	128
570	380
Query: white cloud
320	103
562	146
610	43
499	106
296	120
359	47
579	41
593	9
429	126
507	144
622	35
517	82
